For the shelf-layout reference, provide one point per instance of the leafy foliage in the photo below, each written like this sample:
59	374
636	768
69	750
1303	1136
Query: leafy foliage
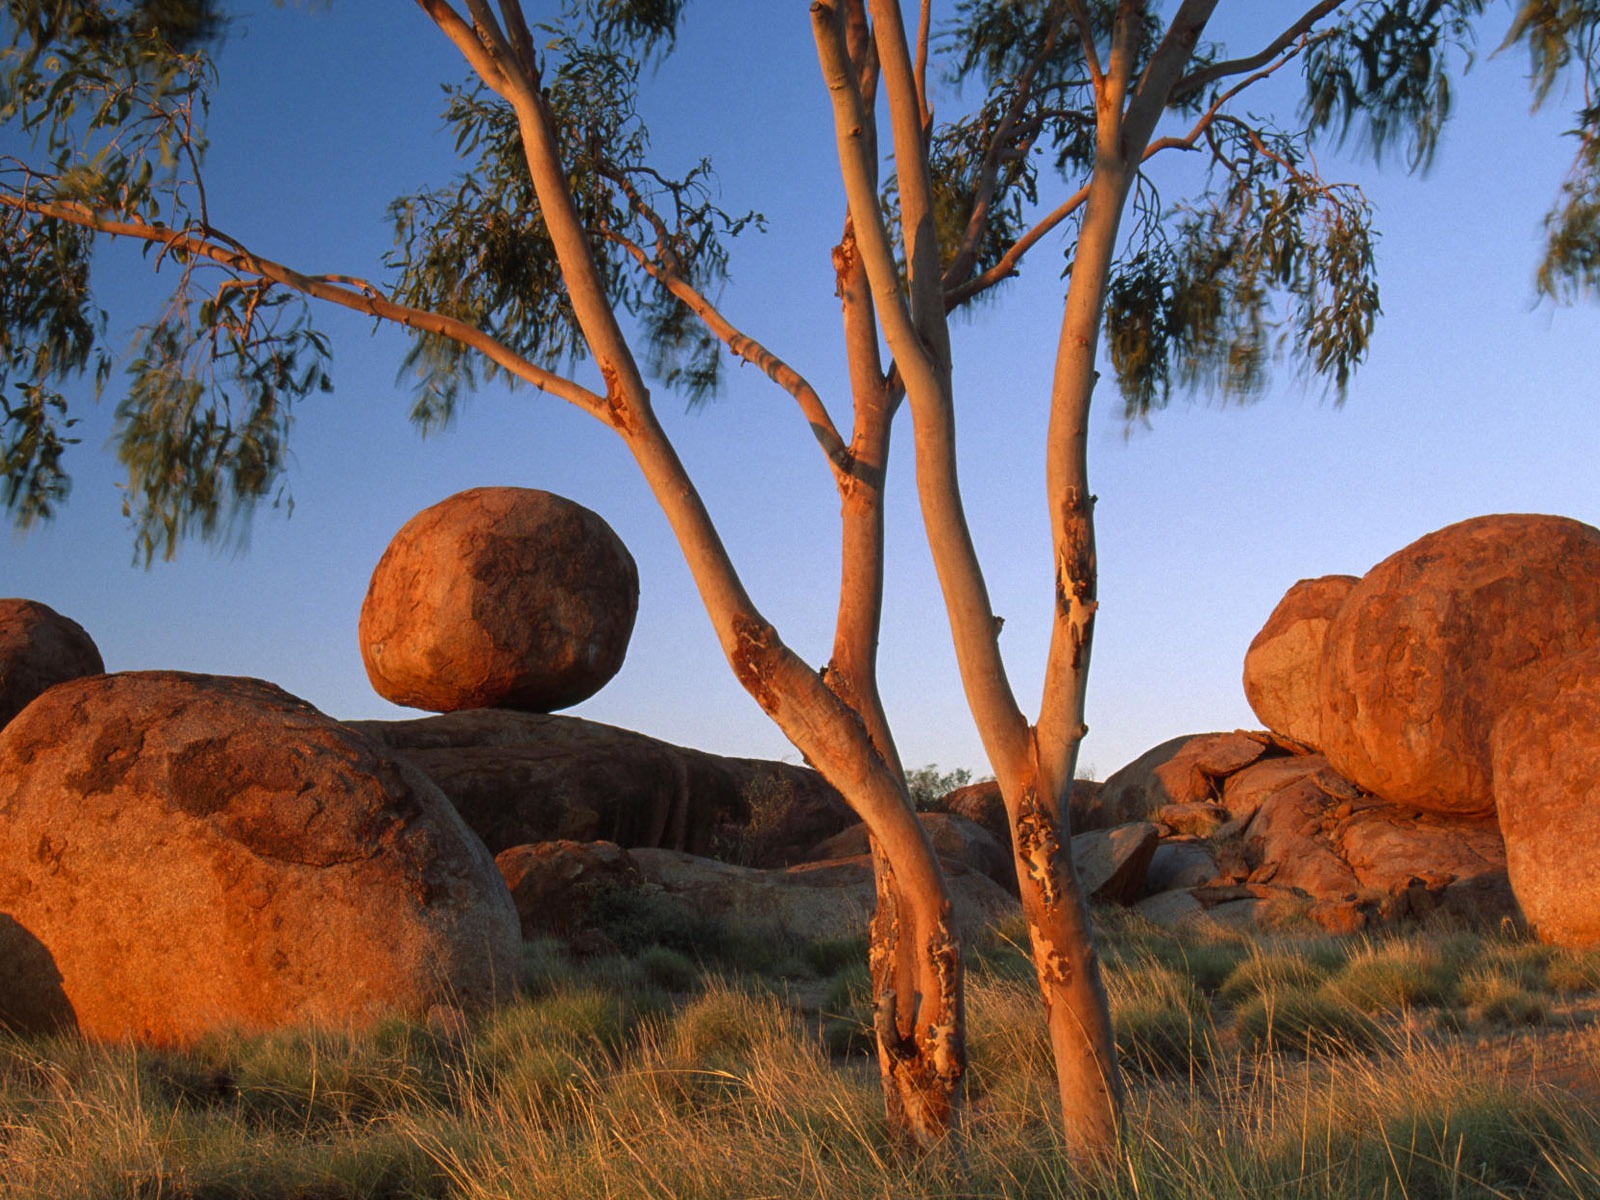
480	251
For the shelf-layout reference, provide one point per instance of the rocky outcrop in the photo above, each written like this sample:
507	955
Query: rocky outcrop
1184	770
518	778
1283	662
499	597
1438	640
39	648
554	884
1111	863
1546	758
812	901
955	839
186	853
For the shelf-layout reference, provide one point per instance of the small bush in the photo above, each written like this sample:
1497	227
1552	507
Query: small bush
1391	975
1290	1020
1496	997
1266	972
1161	1021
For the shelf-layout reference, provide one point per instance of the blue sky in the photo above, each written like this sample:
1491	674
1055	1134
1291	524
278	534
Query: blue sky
1476	399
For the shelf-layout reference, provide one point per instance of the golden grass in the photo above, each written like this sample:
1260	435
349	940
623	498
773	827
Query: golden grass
615	1080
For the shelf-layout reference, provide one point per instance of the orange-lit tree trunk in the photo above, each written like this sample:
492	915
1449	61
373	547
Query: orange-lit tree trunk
834	718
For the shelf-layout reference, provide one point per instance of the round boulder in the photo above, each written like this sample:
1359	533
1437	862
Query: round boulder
499	597
39	648
1281	665
181	854
1439	639
1546	756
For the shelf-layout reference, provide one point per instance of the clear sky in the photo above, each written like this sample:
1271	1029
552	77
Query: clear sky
1476	399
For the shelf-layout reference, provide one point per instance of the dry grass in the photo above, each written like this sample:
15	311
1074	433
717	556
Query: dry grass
649	1076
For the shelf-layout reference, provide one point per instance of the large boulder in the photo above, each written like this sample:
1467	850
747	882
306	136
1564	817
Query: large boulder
518	778
499	597
1282	663
1439	639
1546	756
39	648
185	853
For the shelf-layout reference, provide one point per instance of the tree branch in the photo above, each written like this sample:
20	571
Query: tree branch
1007	266
1161	73
753	352
1237	66
356	295
465	38
965	257
1091	53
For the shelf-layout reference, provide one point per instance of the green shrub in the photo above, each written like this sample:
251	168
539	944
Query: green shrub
1267	971
1392	974
1160	1019
1498	997
1289	1020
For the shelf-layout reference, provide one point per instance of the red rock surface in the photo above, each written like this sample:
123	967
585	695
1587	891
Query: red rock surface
39	648
955	839
1546	756
553	884
518	778
1282	663
181	854
1184	770
1441	638
499	598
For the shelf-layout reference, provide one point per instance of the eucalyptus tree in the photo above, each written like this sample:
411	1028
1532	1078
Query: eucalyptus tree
562	258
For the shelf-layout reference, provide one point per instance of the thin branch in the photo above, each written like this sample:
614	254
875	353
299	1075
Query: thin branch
521	38
924	24
466	40
965	257
1236	66
1154	90
1007	266
753	352
1091	54
357	295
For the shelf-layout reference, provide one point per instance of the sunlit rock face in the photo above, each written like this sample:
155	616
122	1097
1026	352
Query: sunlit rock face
1546	756
181	854
499	598
39	648
1182	770
1438	640
1282	664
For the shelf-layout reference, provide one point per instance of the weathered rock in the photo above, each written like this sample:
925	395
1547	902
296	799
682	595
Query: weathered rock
1185	770
1546	759
1111	863
1196	819
1243	794
552	884
187	853
518	778
1441	638
499	597
1388	846
810	902
955	839
39	648
1282	663
1289	839
981	802
1175	865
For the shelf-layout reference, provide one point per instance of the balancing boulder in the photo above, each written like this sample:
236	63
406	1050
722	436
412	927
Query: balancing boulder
499	598
39	648
181	854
